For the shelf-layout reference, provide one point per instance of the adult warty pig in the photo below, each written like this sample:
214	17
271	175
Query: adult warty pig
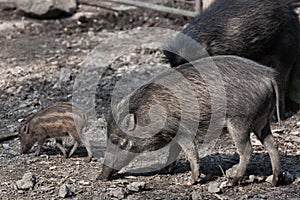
266	31
249	96
55	121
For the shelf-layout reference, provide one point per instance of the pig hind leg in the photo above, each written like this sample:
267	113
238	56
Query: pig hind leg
79	140
59	144
264	134
241	137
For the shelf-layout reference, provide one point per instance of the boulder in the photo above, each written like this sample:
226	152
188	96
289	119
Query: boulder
47	9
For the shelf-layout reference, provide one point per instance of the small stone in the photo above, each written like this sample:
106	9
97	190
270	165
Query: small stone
119	193
225	184
196	195
298	124
52	167
136	186
252	178
27	182
295	133
5	146
269	179
82	182
47	188
214	187
297	180
64	191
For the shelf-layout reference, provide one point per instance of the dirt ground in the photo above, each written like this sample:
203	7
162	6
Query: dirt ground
45	61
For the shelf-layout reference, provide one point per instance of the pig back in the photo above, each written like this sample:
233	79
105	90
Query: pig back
58	119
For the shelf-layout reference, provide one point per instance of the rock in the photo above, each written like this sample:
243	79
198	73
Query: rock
64	191
295	133
52	167
196	195
5	146
136	186
119	193
252	178
214	187
8	5
225	184
27	182
86	183
269	179
297	180
47	9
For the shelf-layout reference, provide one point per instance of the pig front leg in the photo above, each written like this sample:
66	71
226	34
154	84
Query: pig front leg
39	146
189	147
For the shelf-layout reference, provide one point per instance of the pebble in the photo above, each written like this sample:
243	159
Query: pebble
214	187
269	179
86	183
64	191
27	182
52	167
252	178
5	146
225	184
136	186
196	195
297	180
295	133
119	193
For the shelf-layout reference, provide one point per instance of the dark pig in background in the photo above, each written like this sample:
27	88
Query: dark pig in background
55	121
266	31
250	94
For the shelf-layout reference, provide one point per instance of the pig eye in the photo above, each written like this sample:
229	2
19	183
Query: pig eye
25	129
115	141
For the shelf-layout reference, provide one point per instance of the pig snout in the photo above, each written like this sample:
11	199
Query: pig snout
106	173
24	149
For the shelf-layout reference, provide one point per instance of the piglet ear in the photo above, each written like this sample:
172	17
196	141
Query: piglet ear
129	122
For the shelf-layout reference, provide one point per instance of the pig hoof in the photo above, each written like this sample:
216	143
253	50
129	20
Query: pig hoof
191	182
235	181
278	180
88	159
36	154
102	177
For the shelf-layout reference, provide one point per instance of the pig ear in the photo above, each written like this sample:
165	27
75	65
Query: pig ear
129	122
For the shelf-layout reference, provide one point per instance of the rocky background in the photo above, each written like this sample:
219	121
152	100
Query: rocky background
41	59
